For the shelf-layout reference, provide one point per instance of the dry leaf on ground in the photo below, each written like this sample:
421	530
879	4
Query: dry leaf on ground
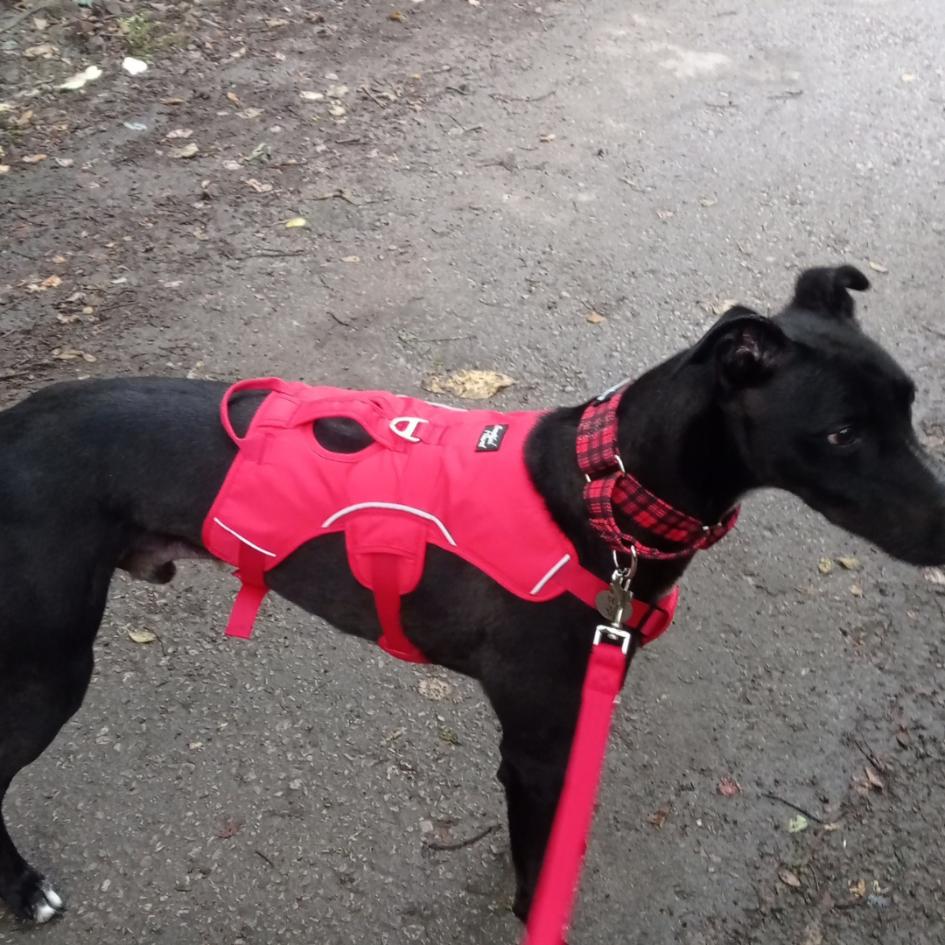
142	636
469	384
295	223
789	878
729	787
189	150
80	79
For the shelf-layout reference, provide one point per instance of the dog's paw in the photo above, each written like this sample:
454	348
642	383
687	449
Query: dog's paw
33	899
46	903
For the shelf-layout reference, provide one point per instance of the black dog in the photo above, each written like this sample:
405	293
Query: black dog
101	475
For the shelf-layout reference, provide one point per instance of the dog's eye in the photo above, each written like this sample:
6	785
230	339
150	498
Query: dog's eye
845	436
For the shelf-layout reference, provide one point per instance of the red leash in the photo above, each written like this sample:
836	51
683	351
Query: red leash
557	888
609	486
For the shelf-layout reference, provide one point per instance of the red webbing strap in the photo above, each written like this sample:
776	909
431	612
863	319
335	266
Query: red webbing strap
384	571
554	899
251	593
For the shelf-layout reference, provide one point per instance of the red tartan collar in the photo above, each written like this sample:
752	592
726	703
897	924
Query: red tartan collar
610	486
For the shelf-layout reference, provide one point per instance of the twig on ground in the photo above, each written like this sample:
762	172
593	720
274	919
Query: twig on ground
793	806
460	844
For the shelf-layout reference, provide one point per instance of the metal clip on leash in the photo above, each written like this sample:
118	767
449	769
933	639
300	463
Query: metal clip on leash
612	605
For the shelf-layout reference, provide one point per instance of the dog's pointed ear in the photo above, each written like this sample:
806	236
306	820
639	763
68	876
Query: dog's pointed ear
746	347
825	290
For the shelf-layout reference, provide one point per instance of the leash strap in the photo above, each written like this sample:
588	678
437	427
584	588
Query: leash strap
561	870
609	486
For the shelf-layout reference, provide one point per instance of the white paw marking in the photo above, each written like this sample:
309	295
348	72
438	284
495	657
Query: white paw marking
52	897
49	906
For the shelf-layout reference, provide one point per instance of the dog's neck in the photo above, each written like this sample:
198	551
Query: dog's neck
673	437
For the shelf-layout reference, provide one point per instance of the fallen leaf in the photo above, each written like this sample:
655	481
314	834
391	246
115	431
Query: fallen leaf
813	934
179	133
729	787
469	384
50	282
337	91
849	563
434	689
337	110
797	824
595	318
825	565
658	817
43	50
311	96
934	576
351	259
187	151
73	354
258	186
276	22
33	158
877	267
789	878
80	79
4	168
142	636
229	828
134	66
294	223
233	97
720	308
262	153
397	16
24	118
830	828
548	138
250	113
40	23
874	779
856	590
858	888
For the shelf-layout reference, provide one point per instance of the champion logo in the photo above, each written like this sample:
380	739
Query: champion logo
491	438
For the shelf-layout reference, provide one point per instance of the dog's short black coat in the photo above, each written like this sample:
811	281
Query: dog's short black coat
101	475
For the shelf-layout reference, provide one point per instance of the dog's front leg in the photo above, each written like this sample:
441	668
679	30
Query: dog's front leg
538	722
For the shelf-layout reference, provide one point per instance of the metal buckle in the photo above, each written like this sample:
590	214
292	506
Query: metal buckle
620	466
613	636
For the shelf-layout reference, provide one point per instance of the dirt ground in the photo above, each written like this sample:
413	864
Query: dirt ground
563	192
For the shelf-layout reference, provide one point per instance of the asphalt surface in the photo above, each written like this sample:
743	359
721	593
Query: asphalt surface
504	170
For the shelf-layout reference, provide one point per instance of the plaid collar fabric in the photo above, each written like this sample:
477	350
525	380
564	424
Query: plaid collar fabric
609	486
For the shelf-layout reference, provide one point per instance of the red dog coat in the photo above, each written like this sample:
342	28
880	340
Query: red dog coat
433	475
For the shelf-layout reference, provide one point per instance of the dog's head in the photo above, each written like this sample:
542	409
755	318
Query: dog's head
816	407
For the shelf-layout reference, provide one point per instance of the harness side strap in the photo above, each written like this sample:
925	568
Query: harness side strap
384	573
251	571
557	886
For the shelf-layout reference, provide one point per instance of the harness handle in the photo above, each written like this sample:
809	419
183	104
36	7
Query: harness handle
258	383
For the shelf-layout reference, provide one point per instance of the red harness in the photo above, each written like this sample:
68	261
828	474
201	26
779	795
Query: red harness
433	475
456	479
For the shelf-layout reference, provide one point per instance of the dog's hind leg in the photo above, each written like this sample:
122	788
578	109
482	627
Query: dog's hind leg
538	722
35	701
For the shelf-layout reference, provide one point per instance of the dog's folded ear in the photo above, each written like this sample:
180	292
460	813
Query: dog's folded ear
746	347
825	290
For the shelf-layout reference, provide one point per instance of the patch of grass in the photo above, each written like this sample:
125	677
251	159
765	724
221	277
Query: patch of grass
141	34
144	36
